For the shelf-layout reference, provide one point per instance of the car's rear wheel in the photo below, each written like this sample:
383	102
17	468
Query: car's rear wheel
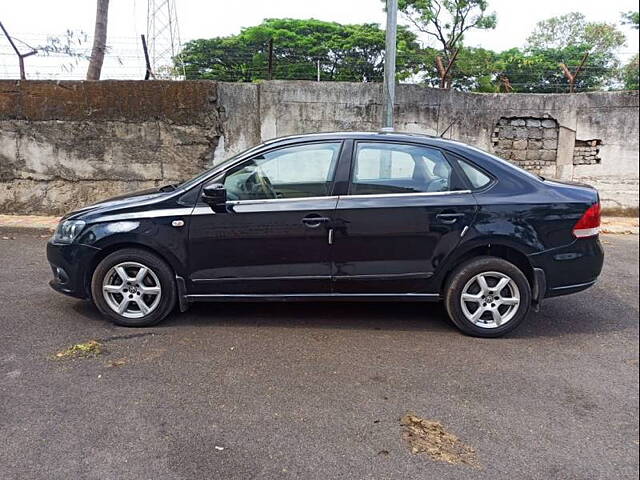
487	297
133	288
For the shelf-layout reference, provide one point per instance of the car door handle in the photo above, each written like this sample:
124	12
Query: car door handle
313	221
449	217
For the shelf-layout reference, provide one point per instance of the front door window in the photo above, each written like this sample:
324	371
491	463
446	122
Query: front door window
290	172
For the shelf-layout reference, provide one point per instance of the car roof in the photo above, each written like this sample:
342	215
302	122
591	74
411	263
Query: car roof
392	136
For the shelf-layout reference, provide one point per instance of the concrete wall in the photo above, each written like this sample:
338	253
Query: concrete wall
64	144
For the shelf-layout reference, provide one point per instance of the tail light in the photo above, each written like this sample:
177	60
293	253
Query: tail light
589	224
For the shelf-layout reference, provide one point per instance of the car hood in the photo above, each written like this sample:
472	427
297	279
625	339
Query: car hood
121	201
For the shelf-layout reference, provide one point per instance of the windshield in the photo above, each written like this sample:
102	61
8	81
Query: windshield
198	178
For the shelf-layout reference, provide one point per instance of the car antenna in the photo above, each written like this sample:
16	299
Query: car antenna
447	129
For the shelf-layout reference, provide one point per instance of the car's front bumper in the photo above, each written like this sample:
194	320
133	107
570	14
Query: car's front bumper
70	264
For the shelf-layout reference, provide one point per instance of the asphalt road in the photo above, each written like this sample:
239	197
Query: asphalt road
314	391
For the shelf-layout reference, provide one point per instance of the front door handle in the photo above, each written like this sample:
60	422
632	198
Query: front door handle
314	220
449	218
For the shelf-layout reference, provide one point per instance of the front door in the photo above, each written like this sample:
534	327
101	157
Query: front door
406	209
274	238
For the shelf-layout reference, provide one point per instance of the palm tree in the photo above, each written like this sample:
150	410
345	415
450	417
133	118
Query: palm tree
99	41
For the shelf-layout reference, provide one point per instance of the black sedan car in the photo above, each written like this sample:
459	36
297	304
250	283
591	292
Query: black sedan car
338	216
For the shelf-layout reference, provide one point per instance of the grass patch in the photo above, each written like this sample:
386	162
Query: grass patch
90	348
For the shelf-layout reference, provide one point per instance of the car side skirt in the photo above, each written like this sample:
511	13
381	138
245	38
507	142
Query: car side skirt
319	297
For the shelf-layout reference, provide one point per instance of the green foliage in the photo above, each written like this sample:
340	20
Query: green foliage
572	30
566	39
345	52
630	74
356	53
472	70
447	20
631	18
537	70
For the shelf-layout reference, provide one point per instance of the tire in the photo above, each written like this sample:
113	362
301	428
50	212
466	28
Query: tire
467	279
150	295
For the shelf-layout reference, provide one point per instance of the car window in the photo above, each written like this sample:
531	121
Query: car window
290	172
382	168
477	178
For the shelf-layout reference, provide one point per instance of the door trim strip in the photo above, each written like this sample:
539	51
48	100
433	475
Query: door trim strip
269	279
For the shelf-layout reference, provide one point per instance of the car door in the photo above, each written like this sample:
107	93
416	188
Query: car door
273	236
406	209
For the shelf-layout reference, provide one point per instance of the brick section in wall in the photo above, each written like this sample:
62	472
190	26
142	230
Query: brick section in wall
586	152
531	143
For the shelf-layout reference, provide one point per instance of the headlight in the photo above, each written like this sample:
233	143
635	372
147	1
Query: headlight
68	231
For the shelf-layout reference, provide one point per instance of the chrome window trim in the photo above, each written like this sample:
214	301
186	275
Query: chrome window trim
411	194
336	197
260	201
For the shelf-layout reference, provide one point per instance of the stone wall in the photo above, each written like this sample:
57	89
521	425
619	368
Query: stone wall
586	152
531	143
65	144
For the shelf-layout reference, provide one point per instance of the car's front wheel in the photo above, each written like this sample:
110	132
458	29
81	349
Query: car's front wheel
487	297
133	288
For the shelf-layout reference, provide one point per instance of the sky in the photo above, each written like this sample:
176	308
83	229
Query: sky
33	20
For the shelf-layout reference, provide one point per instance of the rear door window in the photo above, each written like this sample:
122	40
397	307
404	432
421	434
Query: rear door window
383	168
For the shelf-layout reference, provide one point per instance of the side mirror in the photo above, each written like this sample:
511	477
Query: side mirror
215	195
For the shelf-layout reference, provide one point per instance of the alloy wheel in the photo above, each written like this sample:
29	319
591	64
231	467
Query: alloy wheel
131	289
490	299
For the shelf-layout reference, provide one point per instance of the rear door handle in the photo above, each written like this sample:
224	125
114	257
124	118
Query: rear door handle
313	221
449	217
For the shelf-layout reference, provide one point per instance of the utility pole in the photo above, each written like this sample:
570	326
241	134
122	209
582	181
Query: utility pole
389	85
270	65
163	39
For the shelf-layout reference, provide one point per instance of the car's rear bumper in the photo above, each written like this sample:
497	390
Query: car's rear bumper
572	268
69	263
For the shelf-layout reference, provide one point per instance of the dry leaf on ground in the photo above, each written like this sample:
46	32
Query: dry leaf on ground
430	437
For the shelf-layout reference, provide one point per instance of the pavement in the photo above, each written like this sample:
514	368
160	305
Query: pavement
314	391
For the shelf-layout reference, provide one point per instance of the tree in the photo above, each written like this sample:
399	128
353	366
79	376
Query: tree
447	21
99	41
631	18
536	70
629	74
568	40
472	70
573	30
300	48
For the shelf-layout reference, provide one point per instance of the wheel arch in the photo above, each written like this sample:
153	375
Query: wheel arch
105	252
498	250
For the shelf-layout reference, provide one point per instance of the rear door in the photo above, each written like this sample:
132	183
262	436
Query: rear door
406	209
273	238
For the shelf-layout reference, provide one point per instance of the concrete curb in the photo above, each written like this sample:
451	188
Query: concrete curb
32	222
